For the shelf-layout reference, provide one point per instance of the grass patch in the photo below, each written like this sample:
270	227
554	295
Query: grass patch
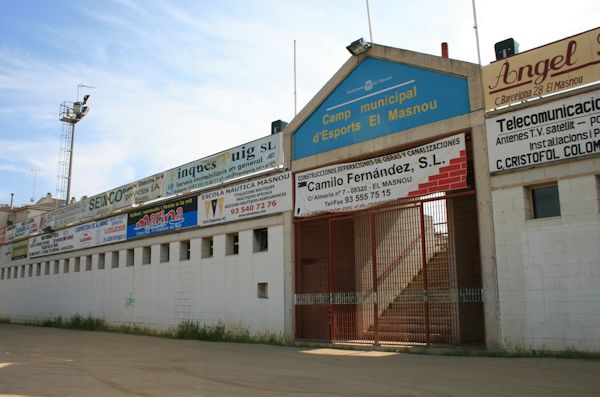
193	330
190	329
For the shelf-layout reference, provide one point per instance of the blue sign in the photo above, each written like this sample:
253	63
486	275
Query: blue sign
166	217
376	99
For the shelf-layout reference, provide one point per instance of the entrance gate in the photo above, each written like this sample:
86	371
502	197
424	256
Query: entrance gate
408	274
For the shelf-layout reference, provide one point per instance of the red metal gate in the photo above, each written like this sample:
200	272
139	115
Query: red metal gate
408	274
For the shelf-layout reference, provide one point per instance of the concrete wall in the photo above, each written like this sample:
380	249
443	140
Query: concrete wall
549	269
218	289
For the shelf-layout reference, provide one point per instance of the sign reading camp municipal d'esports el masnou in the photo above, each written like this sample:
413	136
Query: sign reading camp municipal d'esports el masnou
559	130
378	98
435	167
564	64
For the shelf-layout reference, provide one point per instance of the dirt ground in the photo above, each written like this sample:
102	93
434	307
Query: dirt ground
54	362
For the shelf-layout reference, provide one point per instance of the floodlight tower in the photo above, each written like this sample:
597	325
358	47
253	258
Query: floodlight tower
70	114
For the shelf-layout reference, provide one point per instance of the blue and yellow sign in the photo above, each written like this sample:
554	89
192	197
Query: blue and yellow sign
378	98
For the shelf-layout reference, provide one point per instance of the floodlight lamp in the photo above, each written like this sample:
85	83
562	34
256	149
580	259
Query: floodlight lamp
85	99
358	47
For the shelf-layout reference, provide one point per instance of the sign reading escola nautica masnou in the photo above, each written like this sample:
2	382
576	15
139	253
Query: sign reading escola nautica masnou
259	155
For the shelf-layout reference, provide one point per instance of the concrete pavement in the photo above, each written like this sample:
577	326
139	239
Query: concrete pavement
55	362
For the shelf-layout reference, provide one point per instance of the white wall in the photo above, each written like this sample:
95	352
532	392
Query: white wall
221	289
549	269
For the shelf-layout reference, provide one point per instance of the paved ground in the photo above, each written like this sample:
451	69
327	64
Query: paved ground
52	362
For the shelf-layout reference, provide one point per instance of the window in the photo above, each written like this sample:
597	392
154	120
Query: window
262	290
114	260
2	274
65	266
146	255
22	271
88	263
77	265
261	240
101	259
8	273
129	257
184	250
207	247
56	265
38	269
545	201
164	253
233	244
46	268
30	270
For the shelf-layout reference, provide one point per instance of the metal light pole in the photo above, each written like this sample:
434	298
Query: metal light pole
71	113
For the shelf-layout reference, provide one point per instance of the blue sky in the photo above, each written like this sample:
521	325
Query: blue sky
179	80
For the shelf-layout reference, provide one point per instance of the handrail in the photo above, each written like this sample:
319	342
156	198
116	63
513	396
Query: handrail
396	262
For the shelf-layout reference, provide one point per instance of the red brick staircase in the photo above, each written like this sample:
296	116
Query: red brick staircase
404	318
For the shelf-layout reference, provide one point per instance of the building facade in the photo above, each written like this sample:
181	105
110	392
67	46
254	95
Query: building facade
400	206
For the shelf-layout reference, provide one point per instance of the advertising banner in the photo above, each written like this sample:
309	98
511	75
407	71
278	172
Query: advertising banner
23	229
564	64
175	215
105	231
91	234
63	216
149	188
264	196
5	255
559	130
435	167
19	250
379	98
255	156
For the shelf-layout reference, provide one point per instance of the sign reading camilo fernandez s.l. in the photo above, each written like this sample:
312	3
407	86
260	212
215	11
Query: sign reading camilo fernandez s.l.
435	167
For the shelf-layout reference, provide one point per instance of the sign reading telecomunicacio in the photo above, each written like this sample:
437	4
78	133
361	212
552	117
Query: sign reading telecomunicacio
555	131
438	166
567	63
378	98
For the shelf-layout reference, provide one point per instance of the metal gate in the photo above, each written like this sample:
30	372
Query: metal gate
408	274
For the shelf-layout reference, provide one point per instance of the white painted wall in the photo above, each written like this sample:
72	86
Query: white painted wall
549	269
221	289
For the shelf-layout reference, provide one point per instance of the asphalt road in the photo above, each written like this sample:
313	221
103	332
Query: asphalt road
53	362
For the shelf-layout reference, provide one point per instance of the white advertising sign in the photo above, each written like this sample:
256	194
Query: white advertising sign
91	234
559	130
255	156
269	195
434	167
63	216
23	229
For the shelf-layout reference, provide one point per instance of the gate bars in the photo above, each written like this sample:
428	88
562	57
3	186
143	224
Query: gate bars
408	274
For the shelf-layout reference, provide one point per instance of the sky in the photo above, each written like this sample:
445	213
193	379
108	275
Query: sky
175	81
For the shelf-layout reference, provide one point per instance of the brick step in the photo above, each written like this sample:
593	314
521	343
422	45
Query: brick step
414	318
409	337
412	328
